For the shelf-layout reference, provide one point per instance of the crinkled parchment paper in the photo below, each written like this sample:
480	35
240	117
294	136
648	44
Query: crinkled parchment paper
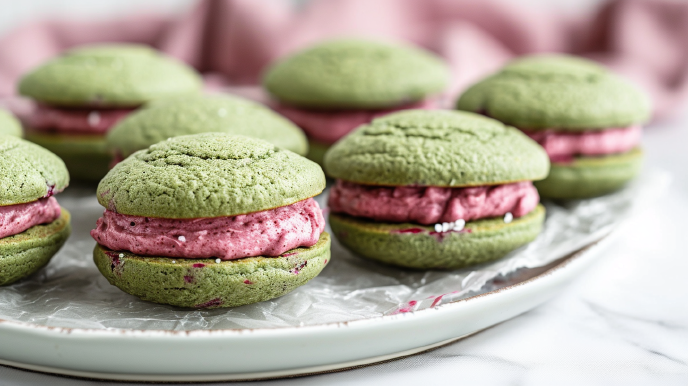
70	292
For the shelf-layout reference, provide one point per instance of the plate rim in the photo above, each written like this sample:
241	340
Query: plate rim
232	377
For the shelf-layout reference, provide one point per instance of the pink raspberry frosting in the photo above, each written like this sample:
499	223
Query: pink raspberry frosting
431	205
15	219
328	126
268	233
85	121
563	146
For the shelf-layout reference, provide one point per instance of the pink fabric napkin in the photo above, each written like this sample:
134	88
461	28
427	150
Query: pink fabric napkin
231	41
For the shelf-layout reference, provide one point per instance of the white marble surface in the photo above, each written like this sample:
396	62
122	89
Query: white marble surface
625	322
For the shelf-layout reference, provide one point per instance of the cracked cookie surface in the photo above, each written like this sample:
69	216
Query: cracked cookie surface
209	175
436	148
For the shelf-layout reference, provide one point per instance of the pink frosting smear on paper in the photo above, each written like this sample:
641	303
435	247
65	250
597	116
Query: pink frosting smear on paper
84	121
432	205
563	146
266	233
15	219
328	126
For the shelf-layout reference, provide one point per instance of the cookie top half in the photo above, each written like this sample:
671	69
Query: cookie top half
209	175
9	125
28	172
109	76
436	148
557	91
354	73
164	119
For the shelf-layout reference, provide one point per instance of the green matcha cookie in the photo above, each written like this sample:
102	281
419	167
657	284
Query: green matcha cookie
85	156
204	283
209	175
436	148
28	172
557	91
25	253
565	93
352	73
202	114
9	125
420	247
588	177
109	75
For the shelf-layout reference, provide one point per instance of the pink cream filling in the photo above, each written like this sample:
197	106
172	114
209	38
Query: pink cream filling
563	146
432	205
15	219
267	233
77	121
328	126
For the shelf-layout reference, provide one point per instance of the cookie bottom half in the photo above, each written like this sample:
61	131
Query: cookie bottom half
588	177
204	283
420	247
27	252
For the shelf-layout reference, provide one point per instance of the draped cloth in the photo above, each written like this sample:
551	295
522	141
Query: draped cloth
232	41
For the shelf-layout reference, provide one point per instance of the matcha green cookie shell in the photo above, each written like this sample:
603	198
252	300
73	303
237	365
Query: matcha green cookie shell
203	283
423	248
85	156
436	148
202	114
28	172
9	125
588	177
109	75
209	175
25	253
560	92
353	73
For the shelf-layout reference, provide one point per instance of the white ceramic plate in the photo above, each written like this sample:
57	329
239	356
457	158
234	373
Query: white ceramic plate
242	354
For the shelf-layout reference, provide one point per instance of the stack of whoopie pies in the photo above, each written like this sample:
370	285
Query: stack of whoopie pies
210	201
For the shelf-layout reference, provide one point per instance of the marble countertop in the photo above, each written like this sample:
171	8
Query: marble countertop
624	322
